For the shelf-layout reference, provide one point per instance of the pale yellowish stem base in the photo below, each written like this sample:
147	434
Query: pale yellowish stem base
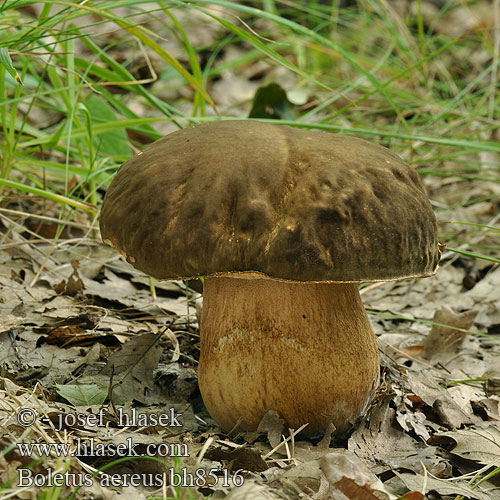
306	350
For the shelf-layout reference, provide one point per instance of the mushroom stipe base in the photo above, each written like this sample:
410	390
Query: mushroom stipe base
306	350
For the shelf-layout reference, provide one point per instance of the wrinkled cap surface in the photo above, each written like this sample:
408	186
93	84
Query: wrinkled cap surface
240	196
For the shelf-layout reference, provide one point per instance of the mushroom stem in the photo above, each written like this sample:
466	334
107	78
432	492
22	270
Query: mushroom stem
306	350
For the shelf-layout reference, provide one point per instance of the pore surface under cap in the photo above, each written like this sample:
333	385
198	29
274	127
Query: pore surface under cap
237	196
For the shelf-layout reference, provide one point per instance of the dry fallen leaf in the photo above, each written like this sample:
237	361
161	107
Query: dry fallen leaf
424	385
480	445
249	490
384	446
443	343
73	284
442	486
132	367
412	495
414	421
273	424
349	475
240	458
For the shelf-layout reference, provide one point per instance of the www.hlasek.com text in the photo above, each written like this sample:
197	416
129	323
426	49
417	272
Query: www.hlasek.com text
90	448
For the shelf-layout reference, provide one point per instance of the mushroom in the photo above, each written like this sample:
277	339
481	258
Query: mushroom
283	224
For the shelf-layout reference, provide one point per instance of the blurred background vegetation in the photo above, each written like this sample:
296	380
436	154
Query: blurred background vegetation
84	85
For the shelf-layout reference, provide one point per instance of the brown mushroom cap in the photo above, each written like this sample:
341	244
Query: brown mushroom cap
247	196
